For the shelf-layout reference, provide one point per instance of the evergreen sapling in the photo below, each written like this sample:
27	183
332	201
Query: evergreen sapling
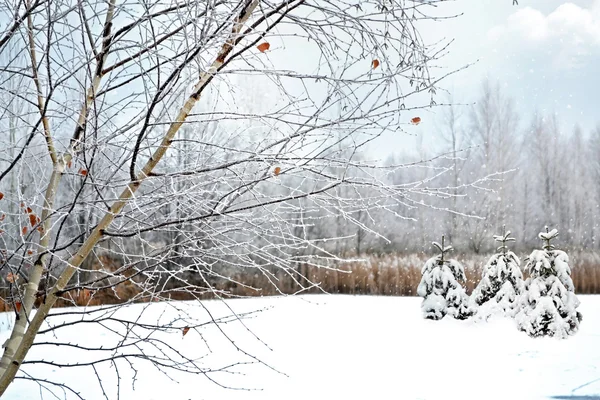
549	305
440	288
501	282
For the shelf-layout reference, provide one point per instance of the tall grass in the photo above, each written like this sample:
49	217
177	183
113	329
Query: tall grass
385	275
400	274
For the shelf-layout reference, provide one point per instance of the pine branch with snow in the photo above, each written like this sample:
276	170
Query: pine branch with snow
441	289
549	305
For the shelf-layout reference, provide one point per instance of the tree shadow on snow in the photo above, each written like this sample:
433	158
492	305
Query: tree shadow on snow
576	397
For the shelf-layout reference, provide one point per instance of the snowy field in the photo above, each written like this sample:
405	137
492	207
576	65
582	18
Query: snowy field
341	347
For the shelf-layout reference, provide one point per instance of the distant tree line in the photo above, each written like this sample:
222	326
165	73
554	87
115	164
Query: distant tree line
489	166
550	176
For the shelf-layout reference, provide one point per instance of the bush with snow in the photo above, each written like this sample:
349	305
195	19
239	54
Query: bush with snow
549	305
501	282
440	288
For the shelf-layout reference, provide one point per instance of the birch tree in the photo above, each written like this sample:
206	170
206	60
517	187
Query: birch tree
175	139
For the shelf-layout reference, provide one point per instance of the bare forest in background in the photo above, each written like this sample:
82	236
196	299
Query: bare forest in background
536	174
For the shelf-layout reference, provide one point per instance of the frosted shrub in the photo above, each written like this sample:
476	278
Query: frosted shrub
501	282
549	305
440	288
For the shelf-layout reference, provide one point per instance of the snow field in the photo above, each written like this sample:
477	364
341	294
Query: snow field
342	347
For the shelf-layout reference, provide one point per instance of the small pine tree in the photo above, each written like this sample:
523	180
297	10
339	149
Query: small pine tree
440	288
549	305
501	282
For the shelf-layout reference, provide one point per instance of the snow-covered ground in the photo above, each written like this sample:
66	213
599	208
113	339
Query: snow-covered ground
342	347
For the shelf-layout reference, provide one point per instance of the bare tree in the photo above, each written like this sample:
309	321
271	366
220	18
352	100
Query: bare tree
186	202
454	136
493	133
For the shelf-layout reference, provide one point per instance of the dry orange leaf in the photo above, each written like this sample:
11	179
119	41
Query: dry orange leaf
416	120
277	171
263	47
82	172
33	219
185	330
12	278
24	230
1	195
375	63
28	210
18	306
85	294
30	252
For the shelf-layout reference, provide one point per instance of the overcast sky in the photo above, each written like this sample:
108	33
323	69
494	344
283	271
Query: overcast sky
545	53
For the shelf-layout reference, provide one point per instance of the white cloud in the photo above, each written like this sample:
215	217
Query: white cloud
570	32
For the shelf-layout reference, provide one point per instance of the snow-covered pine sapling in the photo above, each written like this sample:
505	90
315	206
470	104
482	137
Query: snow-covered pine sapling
501	282
549	305
440	288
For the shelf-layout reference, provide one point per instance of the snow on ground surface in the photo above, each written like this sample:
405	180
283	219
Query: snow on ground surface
345	347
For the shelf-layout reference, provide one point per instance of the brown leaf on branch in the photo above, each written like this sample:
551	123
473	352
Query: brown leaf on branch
277	171
375	63
263	47
85	295
83	172
33	219
24	230
185	330
1	195
416	120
